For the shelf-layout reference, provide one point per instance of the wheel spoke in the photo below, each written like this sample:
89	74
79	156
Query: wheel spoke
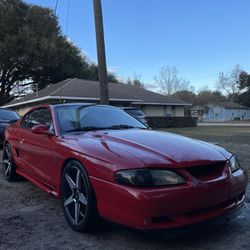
7	167
6	162
7	171
78	176
8	152
71	183
82	214
77	212
83	199
68	201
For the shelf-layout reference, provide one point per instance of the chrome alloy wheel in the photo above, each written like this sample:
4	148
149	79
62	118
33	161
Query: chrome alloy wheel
7	162
75	198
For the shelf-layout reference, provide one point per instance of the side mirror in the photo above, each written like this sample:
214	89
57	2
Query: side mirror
40	129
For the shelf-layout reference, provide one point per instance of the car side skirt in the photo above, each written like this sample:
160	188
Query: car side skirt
38	183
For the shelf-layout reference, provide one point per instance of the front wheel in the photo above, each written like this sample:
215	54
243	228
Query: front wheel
78	198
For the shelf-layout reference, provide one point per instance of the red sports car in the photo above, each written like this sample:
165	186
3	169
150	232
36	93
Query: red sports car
101	162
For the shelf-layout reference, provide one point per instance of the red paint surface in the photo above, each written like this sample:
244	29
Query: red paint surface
40	158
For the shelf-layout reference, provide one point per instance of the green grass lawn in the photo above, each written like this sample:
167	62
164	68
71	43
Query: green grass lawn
215	133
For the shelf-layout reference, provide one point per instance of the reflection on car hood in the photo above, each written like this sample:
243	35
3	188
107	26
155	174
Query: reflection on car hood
178	149
154	147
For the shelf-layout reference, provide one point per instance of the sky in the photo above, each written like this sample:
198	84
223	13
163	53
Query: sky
200	37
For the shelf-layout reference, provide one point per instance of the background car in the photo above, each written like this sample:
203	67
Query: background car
7	116
102	162
136	113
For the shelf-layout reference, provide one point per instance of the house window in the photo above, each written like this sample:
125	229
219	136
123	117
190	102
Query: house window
173	110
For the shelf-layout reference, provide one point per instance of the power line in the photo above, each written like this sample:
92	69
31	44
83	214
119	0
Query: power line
67	18
55	10
66	31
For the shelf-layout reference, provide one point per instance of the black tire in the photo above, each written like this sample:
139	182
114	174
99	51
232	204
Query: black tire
78	198
9	169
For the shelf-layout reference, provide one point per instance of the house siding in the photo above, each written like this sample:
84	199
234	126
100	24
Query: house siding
179	111
215	113
220	114
241	114
163	111
149	110
154	111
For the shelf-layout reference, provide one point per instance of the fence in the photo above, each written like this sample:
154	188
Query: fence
171	122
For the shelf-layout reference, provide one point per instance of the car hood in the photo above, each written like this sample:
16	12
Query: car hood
161	147
151	148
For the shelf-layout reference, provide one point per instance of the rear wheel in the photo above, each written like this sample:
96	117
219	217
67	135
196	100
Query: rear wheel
78	198
9	172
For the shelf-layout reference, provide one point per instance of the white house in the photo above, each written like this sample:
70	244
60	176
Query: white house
222	111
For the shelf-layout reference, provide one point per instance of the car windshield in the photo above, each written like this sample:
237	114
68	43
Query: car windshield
8	115
85	118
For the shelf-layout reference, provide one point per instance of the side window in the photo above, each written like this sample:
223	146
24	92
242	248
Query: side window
41	116
44	117
26	120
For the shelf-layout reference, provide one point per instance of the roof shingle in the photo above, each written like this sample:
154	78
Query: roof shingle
90	89
232	105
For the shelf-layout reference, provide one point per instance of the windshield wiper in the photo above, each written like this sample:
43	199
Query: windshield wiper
90	128
124	126
85	129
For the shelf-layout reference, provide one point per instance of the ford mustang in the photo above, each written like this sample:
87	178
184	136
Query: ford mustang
103	163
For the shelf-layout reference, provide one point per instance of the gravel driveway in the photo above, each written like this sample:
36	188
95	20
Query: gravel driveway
30	219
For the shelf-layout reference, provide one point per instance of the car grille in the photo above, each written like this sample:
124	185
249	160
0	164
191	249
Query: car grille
207	172
232	202
229	204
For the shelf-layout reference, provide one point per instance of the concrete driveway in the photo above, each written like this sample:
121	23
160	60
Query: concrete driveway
225	124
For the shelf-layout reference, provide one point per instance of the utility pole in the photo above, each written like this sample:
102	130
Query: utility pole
102	67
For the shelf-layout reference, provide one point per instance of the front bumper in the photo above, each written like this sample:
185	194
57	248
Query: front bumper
170	207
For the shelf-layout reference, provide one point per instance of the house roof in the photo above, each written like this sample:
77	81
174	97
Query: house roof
231	105
198	107
77	89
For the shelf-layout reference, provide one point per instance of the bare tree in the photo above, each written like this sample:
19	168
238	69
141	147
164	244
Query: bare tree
169	80
136	80
229	82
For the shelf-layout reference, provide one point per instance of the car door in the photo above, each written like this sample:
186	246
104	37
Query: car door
36	151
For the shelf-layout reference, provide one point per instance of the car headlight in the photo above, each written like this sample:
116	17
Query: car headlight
148	178
234	164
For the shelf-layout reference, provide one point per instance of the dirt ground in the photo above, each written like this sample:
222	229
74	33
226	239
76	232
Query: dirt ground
30	219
